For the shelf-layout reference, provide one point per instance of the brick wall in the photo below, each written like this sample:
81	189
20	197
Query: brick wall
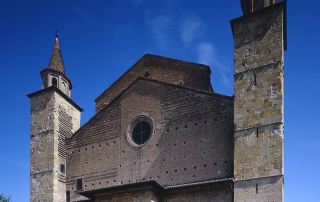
162	69
192	140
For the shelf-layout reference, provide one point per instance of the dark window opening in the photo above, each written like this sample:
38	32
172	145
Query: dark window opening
141	132
79	184
147	73
62	168
68	196
54	82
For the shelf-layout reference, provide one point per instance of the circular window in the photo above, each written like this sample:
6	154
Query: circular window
141	130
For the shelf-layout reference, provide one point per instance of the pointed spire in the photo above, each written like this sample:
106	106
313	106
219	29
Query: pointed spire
56	62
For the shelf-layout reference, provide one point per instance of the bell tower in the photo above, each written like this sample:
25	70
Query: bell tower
54	117
259	45
55	75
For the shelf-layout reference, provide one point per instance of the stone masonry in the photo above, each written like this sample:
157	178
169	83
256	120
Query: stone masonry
258	103
198	145
54	118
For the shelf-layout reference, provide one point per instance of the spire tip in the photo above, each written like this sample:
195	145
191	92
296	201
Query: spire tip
56	35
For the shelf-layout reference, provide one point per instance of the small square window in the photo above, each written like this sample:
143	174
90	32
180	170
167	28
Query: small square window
79	184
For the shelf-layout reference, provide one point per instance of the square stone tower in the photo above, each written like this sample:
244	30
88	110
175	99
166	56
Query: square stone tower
54	117
259	44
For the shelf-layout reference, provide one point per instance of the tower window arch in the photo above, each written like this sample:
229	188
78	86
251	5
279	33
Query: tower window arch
64	87
54	82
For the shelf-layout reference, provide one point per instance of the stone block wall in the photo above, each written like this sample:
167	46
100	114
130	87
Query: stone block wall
220	193
53	120
258	104
130	196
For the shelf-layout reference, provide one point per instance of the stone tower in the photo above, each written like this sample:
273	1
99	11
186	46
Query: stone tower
54	117
259	44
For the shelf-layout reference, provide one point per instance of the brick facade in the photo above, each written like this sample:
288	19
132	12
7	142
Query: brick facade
203	146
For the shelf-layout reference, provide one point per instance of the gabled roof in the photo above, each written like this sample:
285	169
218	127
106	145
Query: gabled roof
148	59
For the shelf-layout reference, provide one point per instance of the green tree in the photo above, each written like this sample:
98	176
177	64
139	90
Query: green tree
4	198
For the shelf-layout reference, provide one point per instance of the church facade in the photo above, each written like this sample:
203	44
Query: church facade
161	132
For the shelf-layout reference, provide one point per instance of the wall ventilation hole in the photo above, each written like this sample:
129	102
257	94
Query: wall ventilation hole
195	124
215	163
205	165
185	169
195	167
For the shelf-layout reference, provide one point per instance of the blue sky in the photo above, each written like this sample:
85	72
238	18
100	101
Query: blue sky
101	39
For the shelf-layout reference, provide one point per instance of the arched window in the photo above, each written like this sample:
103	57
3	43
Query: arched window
54	82
64	87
